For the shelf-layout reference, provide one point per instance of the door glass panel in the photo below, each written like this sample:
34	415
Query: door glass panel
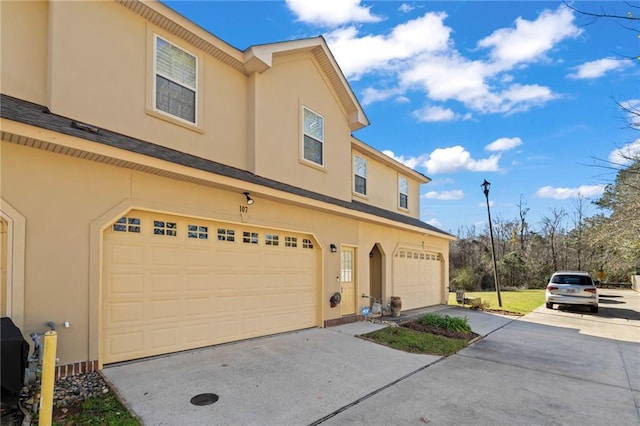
346	266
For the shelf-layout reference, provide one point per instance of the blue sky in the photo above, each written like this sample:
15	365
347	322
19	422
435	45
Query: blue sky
519	93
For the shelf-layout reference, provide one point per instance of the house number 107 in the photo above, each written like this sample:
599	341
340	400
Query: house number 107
244	209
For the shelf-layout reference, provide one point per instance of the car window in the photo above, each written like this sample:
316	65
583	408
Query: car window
572	279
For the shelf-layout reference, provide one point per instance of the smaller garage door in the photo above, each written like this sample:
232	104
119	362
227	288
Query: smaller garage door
173	283
417	278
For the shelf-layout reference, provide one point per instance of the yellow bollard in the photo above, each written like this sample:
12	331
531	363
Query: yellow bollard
48	378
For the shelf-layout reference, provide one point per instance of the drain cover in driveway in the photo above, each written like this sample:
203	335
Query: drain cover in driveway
204	399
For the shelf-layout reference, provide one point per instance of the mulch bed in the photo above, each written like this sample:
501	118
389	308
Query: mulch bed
425	328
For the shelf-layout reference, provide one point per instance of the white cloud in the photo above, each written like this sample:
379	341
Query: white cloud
448	160
530	41
411	162
419	55
442	181
456	158
374	53
434	222
457	194
503	144
434	113
632	109
331	13
598	68
560	193
405	8
371	95
625	155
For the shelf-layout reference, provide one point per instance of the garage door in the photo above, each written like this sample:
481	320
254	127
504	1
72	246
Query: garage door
417	278
173	283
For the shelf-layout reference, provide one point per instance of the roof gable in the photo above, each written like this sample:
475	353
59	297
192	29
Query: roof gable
259	58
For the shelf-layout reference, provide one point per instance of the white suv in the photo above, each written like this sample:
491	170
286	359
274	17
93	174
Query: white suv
571	288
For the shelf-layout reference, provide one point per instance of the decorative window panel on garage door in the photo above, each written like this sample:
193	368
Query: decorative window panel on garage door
180	283
417	278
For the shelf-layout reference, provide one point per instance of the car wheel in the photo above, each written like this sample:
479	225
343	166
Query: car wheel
594	309
549	305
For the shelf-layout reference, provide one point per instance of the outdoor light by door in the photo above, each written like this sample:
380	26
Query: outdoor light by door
333	248
485	188
249	199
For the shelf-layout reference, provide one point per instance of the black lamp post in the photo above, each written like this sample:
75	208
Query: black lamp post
485	188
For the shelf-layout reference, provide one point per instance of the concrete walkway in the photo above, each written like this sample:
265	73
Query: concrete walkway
549	367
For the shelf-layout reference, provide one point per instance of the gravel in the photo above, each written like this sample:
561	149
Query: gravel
68	391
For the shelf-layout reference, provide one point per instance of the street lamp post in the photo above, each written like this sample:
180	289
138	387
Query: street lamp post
485	188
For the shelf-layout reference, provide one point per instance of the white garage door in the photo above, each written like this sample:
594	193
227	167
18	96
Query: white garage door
173	283
417	278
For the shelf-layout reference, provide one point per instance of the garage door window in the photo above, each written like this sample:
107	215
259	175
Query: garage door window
127	224
291	242
271	240
307	243
198	232
250	237
226	235
169	229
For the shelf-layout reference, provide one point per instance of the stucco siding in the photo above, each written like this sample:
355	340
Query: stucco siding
102	65
23	49
294	82
62	197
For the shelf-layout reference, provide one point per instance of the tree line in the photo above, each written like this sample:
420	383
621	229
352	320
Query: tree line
607	245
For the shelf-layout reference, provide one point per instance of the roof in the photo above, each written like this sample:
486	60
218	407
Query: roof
39	116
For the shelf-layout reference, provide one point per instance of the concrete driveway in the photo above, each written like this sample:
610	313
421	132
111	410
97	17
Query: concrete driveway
549	367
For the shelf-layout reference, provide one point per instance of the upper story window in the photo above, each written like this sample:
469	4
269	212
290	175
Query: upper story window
313	144
359	175
175	80
403	190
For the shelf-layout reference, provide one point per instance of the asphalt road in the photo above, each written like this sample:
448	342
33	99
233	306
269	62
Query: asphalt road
551	367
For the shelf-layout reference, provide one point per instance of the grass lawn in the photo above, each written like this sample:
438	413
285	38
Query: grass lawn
101	411
414	341
520	301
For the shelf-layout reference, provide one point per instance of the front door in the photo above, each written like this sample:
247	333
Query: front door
348	281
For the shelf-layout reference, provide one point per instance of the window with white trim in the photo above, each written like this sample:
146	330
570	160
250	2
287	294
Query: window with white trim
175	80
403	190
313	137
359	175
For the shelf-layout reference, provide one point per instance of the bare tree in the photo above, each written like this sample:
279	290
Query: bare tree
578	227
522	211
551	227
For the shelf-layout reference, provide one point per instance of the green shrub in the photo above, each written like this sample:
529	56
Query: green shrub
446	322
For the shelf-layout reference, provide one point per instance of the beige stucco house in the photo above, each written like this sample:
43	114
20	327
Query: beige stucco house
162	190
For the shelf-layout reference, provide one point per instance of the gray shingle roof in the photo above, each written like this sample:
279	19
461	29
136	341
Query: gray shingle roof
37	115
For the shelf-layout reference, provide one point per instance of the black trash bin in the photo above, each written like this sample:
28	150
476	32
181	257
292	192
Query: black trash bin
15	352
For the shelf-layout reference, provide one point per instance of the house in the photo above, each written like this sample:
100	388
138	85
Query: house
163	190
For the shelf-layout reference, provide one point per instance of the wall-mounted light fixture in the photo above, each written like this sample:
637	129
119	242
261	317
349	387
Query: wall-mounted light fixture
249	199
333	248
